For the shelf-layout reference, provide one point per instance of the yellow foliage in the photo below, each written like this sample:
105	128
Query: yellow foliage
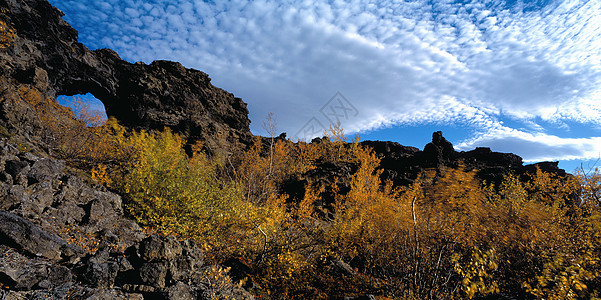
284	273
7	35
84	137
215	279
564	277
260	174
419	241
306	207
547	189
476	272
444	236
456	207
304	157
100	175
167	190
362	213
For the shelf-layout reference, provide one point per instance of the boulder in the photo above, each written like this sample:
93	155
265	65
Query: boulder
19	233
71	291
179	291
16	167
163	260
159	248
23	273
100	270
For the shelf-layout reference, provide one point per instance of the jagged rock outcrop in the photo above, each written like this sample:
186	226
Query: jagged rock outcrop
30	239
402	164
438	152
21	272
42	53
159	267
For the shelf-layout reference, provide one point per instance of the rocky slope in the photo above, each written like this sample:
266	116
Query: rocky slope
40	50
63	238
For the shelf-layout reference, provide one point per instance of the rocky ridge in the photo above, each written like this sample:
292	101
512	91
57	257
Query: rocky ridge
402	164
60	236
41	51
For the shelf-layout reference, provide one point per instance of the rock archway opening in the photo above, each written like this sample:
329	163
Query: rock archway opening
86	107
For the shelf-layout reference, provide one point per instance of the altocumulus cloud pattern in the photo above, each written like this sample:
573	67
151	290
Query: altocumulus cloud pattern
523	77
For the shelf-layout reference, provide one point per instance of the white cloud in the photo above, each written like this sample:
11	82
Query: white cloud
396	62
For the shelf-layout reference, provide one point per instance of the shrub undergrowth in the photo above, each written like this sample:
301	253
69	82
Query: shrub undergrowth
445	236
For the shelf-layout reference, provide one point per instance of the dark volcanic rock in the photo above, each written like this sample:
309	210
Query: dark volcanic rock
161	259
166	268
45	170
491	166
101	270
165	94
438	152
485	156
327	175
402	164
70	291
17	232
39	194
155	248
46	56
390	149
22	273
53	224
546	166
16	167
179	291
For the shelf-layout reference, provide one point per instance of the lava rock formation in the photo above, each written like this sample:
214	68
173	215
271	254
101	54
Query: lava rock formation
42	52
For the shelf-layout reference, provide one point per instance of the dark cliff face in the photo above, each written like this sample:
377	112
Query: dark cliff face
44	54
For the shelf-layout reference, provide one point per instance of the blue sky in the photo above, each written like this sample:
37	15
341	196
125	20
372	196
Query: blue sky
516	76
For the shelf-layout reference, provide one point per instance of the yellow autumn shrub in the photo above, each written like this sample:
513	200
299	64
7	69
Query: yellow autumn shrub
78	135
476	271
179	195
